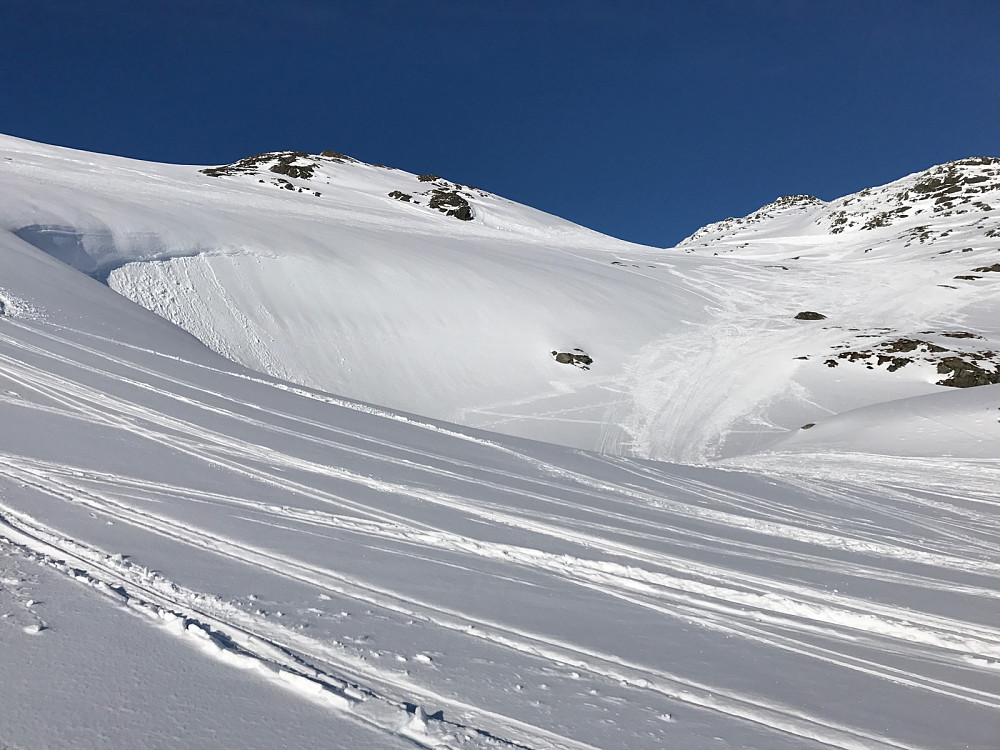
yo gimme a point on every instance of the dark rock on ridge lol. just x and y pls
(451, 203)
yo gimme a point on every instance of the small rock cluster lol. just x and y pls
(577, 358)
(446, 197)
(968, 373)
(964, 369)
(294, 165)
(451, 203)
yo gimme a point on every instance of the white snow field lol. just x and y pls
(197, 554)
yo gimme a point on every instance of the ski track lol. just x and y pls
(660, 541)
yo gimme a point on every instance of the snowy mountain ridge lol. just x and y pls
(946, 190)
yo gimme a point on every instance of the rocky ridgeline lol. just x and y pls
(295, 164)
(967, 186)
(958, 187)
(450, 199)
(291, 165)
(787, 205)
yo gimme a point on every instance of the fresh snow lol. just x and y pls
(194, 553)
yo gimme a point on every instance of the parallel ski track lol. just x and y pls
(583, 511)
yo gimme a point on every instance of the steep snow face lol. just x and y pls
(444, 300)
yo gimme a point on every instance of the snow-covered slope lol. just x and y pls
(886, 294)
(956, 423)
(196, 554)
(337, 284)
(444, 300)
(193, 555)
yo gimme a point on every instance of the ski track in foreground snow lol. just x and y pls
(403, 573)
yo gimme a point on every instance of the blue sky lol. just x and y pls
(641, 119)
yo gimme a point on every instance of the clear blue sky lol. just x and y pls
(644, 120)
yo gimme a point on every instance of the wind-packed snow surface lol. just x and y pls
(195, 554)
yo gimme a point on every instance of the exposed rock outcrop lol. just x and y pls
(577, 358)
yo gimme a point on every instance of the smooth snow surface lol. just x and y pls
(195, 554)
